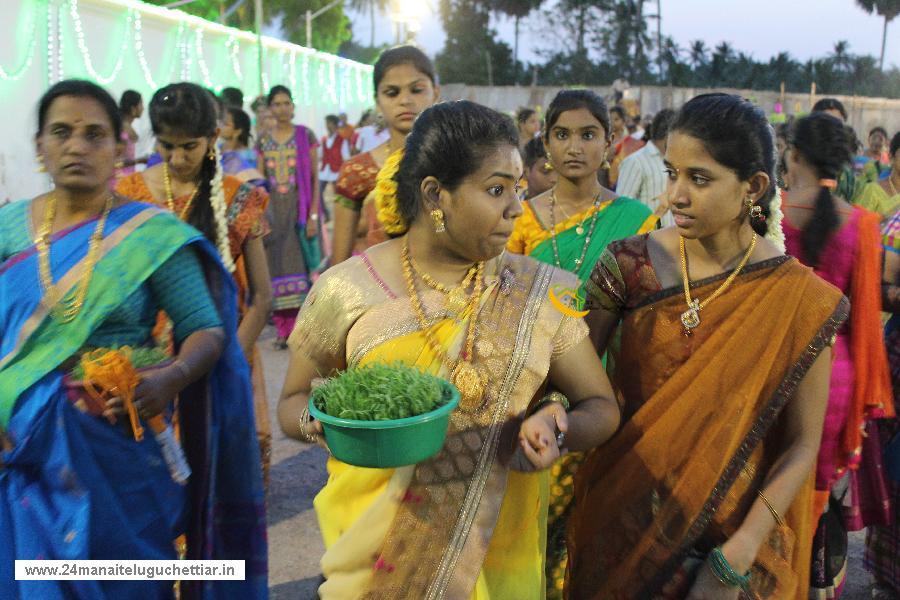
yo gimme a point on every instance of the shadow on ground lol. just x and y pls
(301, 589)
(294, 483)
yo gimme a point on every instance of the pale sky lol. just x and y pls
(805, 28)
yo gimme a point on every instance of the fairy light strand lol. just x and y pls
(86, 53)
(332, 76)
(16, 74)
(201, 61)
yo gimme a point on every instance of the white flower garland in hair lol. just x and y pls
(774, 231)
(217, 199)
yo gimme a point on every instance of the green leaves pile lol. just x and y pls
(141, 358)
(381, 392)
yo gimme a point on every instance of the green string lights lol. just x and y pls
(316, 78)
(86, 54)
(17, 73)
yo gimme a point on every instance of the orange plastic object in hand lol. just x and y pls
(110, 374)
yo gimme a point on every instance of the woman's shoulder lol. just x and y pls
(14, 227)
(874, 188)
(528, 224)
(16, 209)
(134, 186)
(814, 285)
(517, 266)
(352, 283)
(872, 196)
(634, 246)
(339, 297)
(360, 165)
(631, 203)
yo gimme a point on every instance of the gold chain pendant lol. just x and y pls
(470, 383)
(690, 318)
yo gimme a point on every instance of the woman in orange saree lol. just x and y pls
(230, 213)
(721, 363)
(405, 85)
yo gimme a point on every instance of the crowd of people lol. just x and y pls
(707, 414)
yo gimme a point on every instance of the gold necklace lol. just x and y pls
(465, 376)
(579, 229)
(67, 309)
(456, 297)
(690, 318)
(170, 197)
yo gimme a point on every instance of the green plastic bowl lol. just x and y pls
(387, 444)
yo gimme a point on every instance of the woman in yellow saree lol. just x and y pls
(721, 368)
(469, 522)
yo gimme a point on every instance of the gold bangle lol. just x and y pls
(305, 420)
(550, 398)
(778, 520)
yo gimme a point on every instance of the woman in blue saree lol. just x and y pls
(81, 268)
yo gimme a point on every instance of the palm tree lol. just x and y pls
(698, 53)
(370, 6)
(888, 9)
(841, 56)
(723, 59)
(517, 9)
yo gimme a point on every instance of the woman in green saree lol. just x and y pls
(569, 227)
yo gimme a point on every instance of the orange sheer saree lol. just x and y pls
(702, 427)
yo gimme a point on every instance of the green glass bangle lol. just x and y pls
(723, 571)
(551, 397)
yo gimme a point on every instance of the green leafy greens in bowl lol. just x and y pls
(381, 392)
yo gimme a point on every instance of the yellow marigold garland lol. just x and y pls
(387, 204)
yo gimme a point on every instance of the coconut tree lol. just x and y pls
(371, 7)
(888, 10)
(517, 9)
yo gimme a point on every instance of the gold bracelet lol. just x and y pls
(778, 520)
(550, 398)
(305, 420)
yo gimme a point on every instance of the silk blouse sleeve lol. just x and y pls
(179, 288)
(605, 289)
(332, 307)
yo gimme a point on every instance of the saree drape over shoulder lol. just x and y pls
(701, 430)
(460, 525)
(73, 486)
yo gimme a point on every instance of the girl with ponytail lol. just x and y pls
(229, 213)
(843, 245)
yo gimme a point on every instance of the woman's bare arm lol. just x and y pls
(260, 292)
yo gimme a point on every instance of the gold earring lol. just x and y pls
(437, 217)
(756, 212)
(606, 165)
(548, 166)
(211, 155)
(41, 168)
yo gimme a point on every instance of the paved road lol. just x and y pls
(298, 472)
